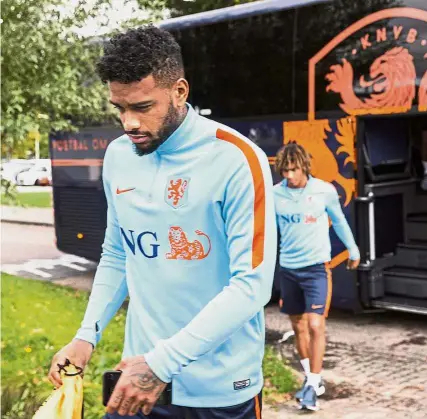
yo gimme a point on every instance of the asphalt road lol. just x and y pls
(30, 251)
(20, 243)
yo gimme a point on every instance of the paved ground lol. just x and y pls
(20, 243)
(375, 366)
(30, 251)
(33, 216)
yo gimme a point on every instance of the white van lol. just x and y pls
(38, 174)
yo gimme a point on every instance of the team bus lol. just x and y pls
(347, 80)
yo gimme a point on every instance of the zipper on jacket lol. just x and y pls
(158, 163)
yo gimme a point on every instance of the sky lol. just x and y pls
(119, 12)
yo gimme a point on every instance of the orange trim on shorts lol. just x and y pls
(259, 190)
(329, 295)
(338, 259)
(257, 407)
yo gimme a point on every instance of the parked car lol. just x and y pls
(12, 168)
(38, 174)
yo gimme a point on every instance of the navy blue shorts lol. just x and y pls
(247, 410)
(306, 290)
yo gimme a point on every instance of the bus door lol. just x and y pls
(391, 213)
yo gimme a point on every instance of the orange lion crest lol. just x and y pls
(391, 77)
(312, 135)
(183, 249)
(176, 195)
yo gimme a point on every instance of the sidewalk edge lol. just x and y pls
(25, 222)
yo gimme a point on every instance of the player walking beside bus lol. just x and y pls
(304, 205)
(190, 237)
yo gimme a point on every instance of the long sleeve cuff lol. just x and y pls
(354, 253)
(157, 359)
(169, 356)
(89, 334)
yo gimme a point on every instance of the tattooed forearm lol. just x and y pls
(145, 381)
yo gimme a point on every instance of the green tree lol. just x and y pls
(48, 81)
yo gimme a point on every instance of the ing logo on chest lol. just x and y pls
(182, 248)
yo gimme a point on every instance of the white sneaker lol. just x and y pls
(319, 391)
(424, 183)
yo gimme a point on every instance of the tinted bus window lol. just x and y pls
(260, 65)
(242, 67)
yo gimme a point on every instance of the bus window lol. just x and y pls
(387, 147)
(241, 67)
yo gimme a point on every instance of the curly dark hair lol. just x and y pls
(137, 53)
(292, 153)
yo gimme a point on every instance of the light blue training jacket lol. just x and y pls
(303, 219)
(191, 238)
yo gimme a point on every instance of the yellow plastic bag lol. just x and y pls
(66, 402)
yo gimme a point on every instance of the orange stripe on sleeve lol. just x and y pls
(329, 296)
(259, 189)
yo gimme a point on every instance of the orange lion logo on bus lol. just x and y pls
(312, 135)
(182, 248)
(391, 77)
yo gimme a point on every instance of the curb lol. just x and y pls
(24, 222)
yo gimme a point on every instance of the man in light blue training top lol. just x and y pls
(191, 238)
(304, 205)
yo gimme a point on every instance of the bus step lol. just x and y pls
(416, 226)
(405, 281)
(418, 217)
(407, 305)
(412, 254)
(420, 202)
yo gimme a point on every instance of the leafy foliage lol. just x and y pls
(38, 319)
(277, 374)
(48, 82)
(9, 193)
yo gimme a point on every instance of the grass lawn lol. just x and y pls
(38, 318)
(30, 199)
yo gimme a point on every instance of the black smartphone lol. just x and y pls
(110, 379)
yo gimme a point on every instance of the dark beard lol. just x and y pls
(172, 121)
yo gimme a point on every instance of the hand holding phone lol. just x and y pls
(110, 379)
